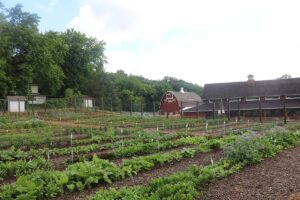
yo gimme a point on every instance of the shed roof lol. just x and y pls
(16, 98)
(254, 88)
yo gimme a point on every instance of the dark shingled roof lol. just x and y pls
(16, 98)
(256, 88)
(248, 105)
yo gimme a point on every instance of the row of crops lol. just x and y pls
(45, 162)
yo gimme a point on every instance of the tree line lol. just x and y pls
(68, 63)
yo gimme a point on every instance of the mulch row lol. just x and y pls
(274, 178)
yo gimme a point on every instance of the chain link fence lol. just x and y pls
(55, 108)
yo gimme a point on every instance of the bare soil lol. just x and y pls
(275, 178)
(71, 124)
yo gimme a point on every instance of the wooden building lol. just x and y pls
(173, 103)
(267, 98)
(16, 103)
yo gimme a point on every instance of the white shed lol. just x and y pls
(16, 103)
(87, 102)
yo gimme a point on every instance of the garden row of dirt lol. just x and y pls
(275, 178)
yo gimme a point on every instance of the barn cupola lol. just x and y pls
(250, 80)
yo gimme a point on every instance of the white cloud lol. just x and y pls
(199, 41)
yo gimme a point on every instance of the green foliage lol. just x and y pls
(33, 123)
(22, 167)
(56, 103)
(252, 149)
(240, 151)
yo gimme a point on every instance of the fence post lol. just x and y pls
(111, 105)
(19, 104)
(75, 105)
(239, 111)
(181, 111)
(214, 110)
(130, 106)
(197, 109)
(260, 111)
(284, 110)
(153, 109)
(141, 109)
(32, 108)
(228, 110)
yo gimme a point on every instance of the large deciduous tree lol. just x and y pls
(83, 60)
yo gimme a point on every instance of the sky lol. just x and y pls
(199, 41)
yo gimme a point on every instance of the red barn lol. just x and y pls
(172, 101)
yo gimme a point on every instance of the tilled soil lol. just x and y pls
(143, 178)
(274, 178)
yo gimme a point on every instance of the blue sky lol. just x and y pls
(55, 14)
(196, 40)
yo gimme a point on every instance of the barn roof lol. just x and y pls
(254, 88)
(16, 98)
(186, 96)
(248, 105)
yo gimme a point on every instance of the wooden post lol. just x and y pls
(284, 111)
(239, 111)
(181, 110)
(260, 111)
(214, 110)
(197, 109)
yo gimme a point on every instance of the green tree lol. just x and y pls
(18, 39)
(84, 57)
(49, 56)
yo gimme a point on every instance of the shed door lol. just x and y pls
(13, 106)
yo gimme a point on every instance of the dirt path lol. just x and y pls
(71, 124)
(275, 178)
(143, 178)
